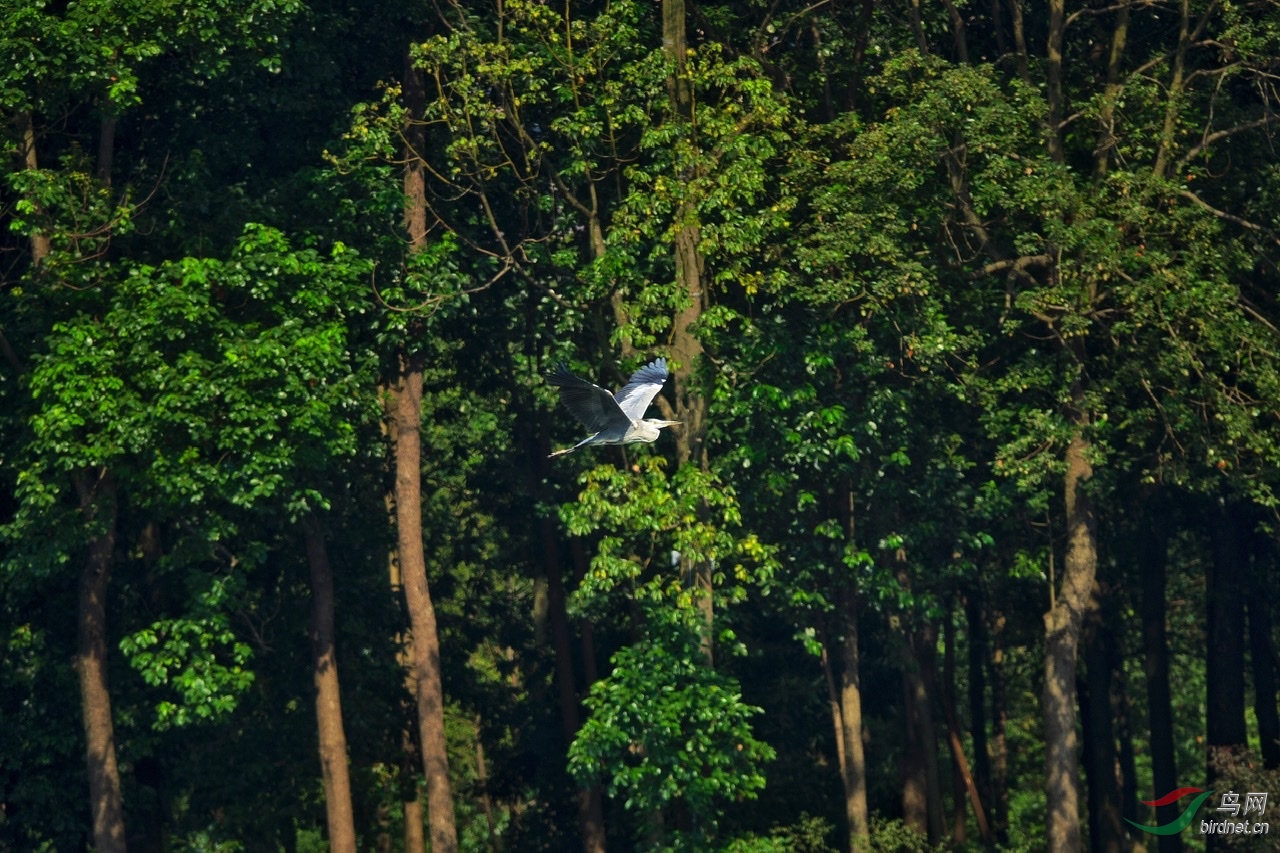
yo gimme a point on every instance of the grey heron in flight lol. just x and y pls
(613, 418)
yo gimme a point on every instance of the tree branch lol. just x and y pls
(1211, 138)
(1230, 217)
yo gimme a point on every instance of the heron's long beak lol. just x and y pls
(669, 423)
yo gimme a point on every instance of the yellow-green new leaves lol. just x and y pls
(649, 522)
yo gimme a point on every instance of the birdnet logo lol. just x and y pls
(1255, 803)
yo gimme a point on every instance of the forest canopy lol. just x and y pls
(967, 533)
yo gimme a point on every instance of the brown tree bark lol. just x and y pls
(407, 394)
(98, 508)
(923, 667)
(28, 159)
(1104, 149)
(415, 840)
(686, 348)
(847, 710)
(328, 698)
(1062, 636)
(422, 614)
(853, 768)
(915, 778)
(963, 783)
(1054, 92)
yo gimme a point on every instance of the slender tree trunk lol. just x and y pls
(98, 507)
(833, 702)
(1173, 94)
(328, 698)
(107, 144)
(999, 728)
(586, 629)
(1106, 826)
(1020, 52)
(482, 782)
(923, 648)
(915, 776)
(1262, 657)
(40, 246)
(422, 614)
(959, 766)
(853, 768)
(963, 782)
(975, 619)
(686, 348)
(408, 499)
(1124, 737)
(1054, 93)
(415, 840)
(1152, 555)
(410, 754)
(590, 800)
(1062, 637)
(1224, 667)
(1102, 151)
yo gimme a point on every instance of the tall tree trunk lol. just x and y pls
(959, 766)
(28, 159)
(963, 783)
(1224, 667)
(853, 767)
(1103, 149)
(1062, 637)
(999, 729)
(686, 348)
(1106, 825)
(422, 614)
(590, 800)
(914, 775)
(328, 698)
(1124, 736)
(408, 499)
(415, 840)
(1054, 92)
(410, 754)
(1152, 557)
(924, 651)
(98, 507)
(976, 621)
(1262, 657)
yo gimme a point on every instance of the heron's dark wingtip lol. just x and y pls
(559, 374)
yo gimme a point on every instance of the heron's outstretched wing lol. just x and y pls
(634, 397)
(591, 404)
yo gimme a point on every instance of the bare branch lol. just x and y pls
(1016, 266)
(1230, 217)
(1211, 138)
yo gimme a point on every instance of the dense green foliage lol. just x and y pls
(938, 245)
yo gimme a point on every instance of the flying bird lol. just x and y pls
(613, 418)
